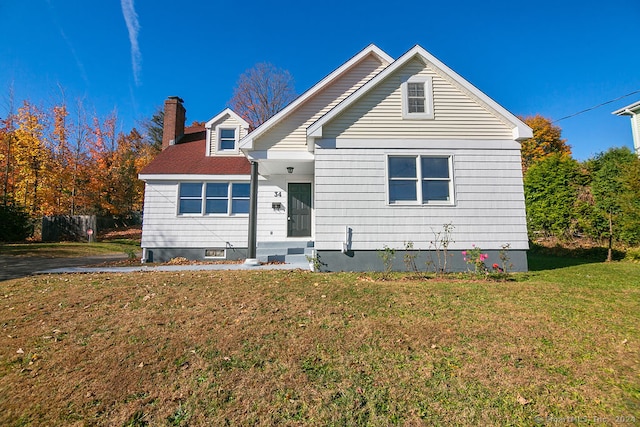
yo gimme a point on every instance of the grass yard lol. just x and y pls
(69, 249)
(555, 346)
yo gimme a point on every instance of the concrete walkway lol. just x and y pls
(14, 267)
(188, 267)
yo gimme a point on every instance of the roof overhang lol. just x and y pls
(629, 110)
(230, 112)
(190, 177)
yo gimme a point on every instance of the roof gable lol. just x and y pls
(520, 130)
(226, 119)
(223, 115)
(247, 142)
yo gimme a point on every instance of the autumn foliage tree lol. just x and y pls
(546, 141)
(31, 158)
(59, 162)
(261, 92)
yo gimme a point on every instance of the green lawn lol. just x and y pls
(69, 249)
(559, 344)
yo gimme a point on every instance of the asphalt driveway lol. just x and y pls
(13, 267)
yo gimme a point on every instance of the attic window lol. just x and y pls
(227, 139)
(417, 98)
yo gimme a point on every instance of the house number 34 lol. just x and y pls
(277, 193)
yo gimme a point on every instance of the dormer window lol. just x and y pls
(417, 98)
(227, 139)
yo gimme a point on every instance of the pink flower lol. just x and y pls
(496, 266)
(464, 253)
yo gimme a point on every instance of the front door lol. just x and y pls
(299, 218)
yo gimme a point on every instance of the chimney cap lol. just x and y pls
(177, 98)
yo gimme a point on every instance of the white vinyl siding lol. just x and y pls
(227, 122)
(290, 134)
(379, 114)
(272, 223)
(488, 212)
(635, 127)
(162, 228)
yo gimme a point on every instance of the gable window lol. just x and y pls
(227, 139)
(420, 180)
(417, 98)
(212, 198)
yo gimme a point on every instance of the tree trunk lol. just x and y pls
(610, 251)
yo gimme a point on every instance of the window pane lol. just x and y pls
(217, 189)
(227, 145)
(240, 206)
(416, 105)
(416, 89)
(435, 190)
(240, 190)
(402, 167)
(190, 206)
(402, 190)
(217, 206)
(191, 189)
(435, 167)
(228, 133)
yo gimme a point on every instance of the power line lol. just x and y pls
(597, 106)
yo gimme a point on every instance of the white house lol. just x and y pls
(633, 111)
(379, 153)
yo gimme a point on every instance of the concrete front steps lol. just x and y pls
(292, 252)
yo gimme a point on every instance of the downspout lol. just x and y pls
(253, 216)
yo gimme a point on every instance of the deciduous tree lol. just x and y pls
(261, 92)
(546, 140)
(31, 157)
(615, 194)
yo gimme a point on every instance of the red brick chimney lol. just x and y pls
(174, 117)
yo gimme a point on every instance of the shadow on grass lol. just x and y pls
(550, 258)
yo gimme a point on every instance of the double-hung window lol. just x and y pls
(420, 180)
(417, 98)
(217, 198)
(190, 198)
(240, 198)
(227, 139)
(214, 198)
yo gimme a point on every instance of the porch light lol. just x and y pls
(290, 169)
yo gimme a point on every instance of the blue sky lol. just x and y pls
(555, 58)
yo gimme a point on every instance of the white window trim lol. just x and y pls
(428, 98)
(224, 253)
(236, 130)
(203, 200)
(189, 214)
(419, 179)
